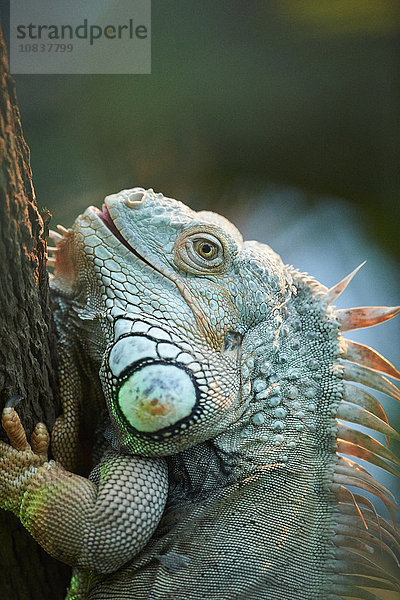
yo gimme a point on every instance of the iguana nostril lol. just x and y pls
(135, 199)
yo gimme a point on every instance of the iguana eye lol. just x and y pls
(206, 249)
(199, 253)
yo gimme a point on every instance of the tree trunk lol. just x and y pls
(27, 341)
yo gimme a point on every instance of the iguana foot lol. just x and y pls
(19, 460)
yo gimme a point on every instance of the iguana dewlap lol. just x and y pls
(219, 396)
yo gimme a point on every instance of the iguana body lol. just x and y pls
(209, 376)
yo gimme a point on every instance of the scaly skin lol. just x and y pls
(209, 377)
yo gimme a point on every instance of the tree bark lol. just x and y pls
(27, 340)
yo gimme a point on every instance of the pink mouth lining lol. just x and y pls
(105, 216)
(107, 220)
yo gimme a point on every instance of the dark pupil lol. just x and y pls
(206, 249)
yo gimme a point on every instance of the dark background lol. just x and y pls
(283, 115)
(299, 92)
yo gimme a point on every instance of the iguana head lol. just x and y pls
(174, 293)
(199, 333)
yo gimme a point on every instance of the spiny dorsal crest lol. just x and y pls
(363, 539)
(61, 256)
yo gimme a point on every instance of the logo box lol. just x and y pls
(106, 37)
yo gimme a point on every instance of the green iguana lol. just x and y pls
(210, 378)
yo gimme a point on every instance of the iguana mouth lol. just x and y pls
(105, 216)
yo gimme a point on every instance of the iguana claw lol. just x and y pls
(19, 460)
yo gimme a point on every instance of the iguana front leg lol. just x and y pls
(97, 523)
(65, 433)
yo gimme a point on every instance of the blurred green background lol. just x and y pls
(283, 115)
(299, 92)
